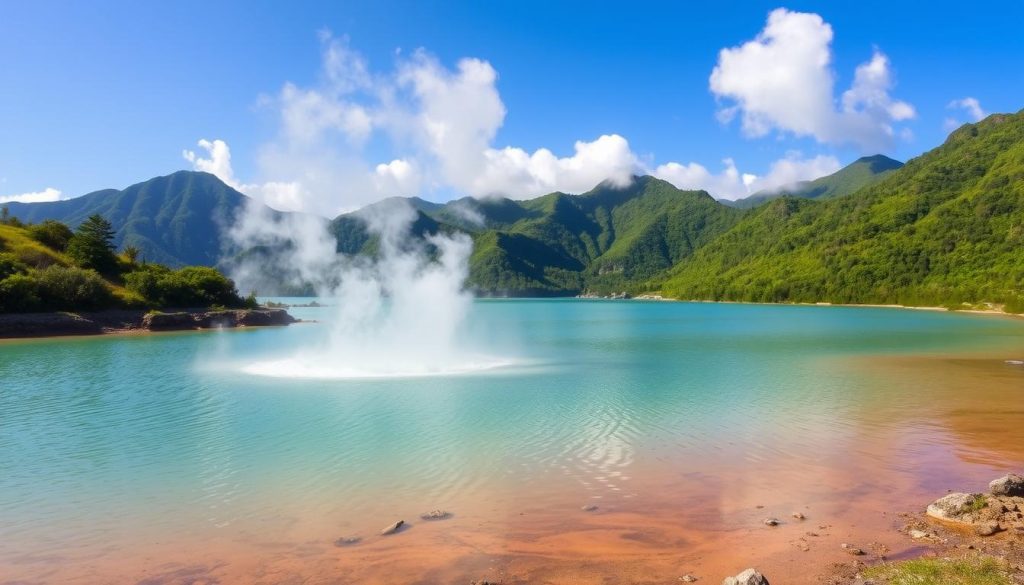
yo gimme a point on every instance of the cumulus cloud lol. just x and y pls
(441, 126)
(971, 106)
(46, 195)
(731, 184)
(783, 81)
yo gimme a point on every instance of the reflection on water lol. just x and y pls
(121, 454)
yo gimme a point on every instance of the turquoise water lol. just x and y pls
(105, 442)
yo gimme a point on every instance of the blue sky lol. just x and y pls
(104, 95)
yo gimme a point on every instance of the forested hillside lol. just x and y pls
(947, 227)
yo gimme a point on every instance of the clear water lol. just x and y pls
(110, 442)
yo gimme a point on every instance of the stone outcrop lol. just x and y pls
(1011, 485)
(985, 514)
(124, 321)
(748, 577)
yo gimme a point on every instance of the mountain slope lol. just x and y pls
(946, 227)
(860, 173)
(175, 220)
(601, 241)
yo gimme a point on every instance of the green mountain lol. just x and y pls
(945, 228)
(175, 220)
(561, 244)
(860, 173)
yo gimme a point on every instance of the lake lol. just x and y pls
(185, 458)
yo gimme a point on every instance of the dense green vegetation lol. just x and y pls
(861, 173)
(946, 228)
(47, 267)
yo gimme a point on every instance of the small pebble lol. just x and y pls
(589, 508)
(799, 516)
(771, 522)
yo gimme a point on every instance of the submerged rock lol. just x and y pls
(799, 516)
(771, 521)
(436, 515)
(393, 528)
(589, 508)
(347, 541)
(1011, 485)
(955, 507)
(748, 577)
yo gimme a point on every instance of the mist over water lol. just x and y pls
(399, 313)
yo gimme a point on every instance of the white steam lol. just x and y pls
(398, 313)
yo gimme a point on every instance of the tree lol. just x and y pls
(92, 245)
(131, 253)
(52, 234)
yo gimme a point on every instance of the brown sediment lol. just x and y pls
(121, 322)
(898, 449)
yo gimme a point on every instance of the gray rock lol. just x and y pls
(748, 577)
(987, 528)
(918, 534)
(771, 521)
(955, 507)
(1011, 485)
(392, 528)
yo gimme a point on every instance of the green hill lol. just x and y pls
(945, 228)
(860, 173)
(561, 244)
(175, 220)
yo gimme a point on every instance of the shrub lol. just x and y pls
(10, 264)
(52, 234)
(19, 293)
(71, 288)
(193, 286)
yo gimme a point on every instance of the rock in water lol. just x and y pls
(1011, 485)
(799, 516)
(589, 508)
(393, 528)
(436, 515)
(771, 521)
(954, 507)
(347, 541)
(748, 577)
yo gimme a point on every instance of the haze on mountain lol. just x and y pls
(944, 228)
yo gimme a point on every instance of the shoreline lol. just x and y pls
(135, 322)
(657, 297)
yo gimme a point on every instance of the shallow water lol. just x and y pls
(180, 457)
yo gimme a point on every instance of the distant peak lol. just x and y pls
(879, 163)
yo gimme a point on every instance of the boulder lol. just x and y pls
(1011, 485)
(748, 577)
(955, 507)
(392, 529)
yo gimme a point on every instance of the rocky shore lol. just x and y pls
(124, 321)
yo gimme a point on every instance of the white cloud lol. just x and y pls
(731, 184)
(441, 125)
(46, 195)
(783, 81)
(971, 106)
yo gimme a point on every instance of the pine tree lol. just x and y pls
(92, 246)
